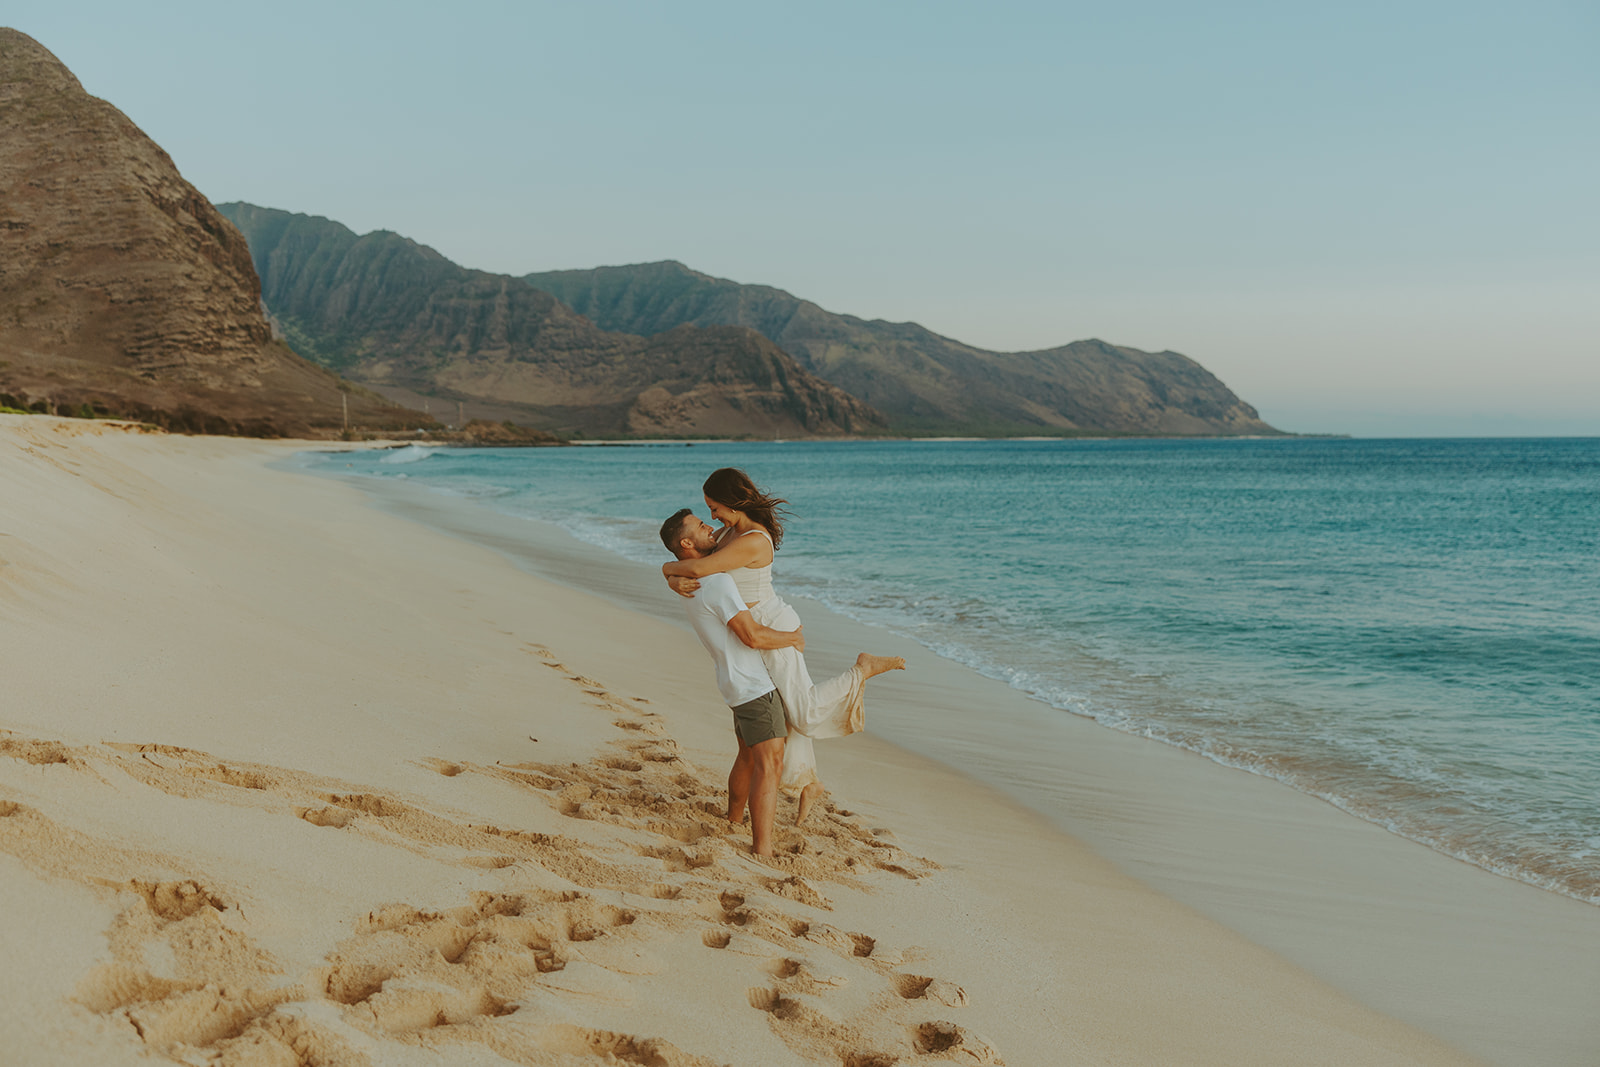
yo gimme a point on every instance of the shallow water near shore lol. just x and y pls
(1408, 629)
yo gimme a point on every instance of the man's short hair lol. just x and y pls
(672, 531)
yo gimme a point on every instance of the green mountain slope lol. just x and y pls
(925, 383)
(389, 312)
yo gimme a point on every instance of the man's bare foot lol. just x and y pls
(808, 797)
(872, 666)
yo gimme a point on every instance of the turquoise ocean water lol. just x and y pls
(1408, 629)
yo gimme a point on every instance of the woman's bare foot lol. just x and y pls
(872, 666)
(808, 797)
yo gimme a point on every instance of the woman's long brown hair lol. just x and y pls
(732, 488)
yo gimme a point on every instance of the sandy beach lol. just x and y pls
(291, 779)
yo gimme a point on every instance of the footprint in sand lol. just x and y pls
(231, 776)
(442, 766)
(677, 860)
(784, 968)
(662, 751)
(869, 1038)
(493, 970)
(39, 753)
(337, 818)
(796, 889)
(934, 1038)
(919, 987)
(650, 789)
(460, 976)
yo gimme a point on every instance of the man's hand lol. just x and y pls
(683, 586)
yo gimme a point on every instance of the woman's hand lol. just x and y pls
(681, 585)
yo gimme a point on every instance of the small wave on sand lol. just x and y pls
(409, 454)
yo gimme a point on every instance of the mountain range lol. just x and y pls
(662, 349)
(925, 383)
(398, 316)
(124, 291)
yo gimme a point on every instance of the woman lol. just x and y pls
(752, 531)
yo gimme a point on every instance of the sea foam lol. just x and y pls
(412, 453)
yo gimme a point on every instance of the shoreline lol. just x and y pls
(1401, 927)
(287, 776)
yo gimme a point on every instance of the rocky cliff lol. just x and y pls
(391, 313)
(122, 290)
(923, 382)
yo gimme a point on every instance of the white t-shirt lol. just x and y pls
(741, 675)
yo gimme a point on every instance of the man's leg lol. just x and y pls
(766, 769)
(739, 782)
(761, 730)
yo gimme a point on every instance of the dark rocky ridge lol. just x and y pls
(123, 291)
(391, 313)
(925, 383)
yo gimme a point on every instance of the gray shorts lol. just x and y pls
(760, 719)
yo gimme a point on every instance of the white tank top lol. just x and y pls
(754, 583)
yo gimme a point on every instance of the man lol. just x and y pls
(833, 708)
(734, 640)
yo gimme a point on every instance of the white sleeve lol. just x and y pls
(721, 597)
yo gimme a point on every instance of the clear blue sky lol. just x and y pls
(1367, 217)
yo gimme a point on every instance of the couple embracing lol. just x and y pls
(757, 646)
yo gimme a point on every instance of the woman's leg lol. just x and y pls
(739, 783)
(832, 708)
(808, 797)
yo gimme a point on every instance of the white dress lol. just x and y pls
(831, 709)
